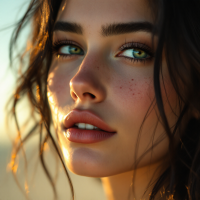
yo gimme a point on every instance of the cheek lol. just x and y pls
(58, 86)
(133, 98)
(134, 92)
(58, 93)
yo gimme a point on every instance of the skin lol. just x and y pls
(123, 92)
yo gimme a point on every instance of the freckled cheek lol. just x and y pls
(134, 90)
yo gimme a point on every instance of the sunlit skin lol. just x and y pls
(116, 89)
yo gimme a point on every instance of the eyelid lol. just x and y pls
(136, 45)
(129, 45)
(60, 43)
(64, 42)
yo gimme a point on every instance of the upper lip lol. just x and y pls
(84, 116)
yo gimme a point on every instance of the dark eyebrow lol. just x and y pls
(122, 28)
(107, 30)
(68, 27)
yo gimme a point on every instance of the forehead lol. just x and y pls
(93, 13)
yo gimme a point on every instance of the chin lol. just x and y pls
(86, 162)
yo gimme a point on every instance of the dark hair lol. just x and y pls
(178, 29)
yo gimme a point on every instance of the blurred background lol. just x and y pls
(31, 179)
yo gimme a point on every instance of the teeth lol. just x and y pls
(89, 126)
(81, 125)
(86, 126)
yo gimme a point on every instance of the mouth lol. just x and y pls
(86, 127)
(86, 136)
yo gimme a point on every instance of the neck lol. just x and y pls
(118, 187)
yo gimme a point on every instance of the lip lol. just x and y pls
(79, 116)
(83, 135)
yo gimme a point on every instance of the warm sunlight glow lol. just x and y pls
(12, 166)
(46, 146)
(38, 93)
(65, 153)
(17, 96)
(171, 197)
(26, 187)
(64, 5)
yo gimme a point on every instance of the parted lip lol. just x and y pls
(85, 116)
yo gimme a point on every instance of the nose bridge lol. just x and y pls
(87, 83)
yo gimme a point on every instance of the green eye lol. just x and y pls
(71, 49)
(138, 53)
(135, 53)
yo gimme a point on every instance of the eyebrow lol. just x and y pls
(122, 28)
(68, 27)
(107, 30)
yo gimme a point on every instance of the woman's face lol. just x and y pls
(109, 74)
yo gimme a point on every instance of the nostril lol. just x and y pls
(91, 95)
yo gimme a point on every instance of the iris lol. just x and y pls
(138, 53)
(71, 49)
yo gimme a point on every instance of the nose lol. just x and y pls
(87, 84)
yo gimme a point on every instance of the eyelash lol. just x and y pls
(60, 43)
(137, 45)
(128, 45)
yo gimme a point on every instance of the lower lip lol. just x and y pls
(86, 136)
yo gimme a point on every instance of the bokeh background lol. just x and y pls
(31, 178)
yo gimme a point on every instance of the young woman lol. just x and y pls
(119, 80)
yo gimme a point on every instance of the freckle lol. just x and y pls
(132, 79)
